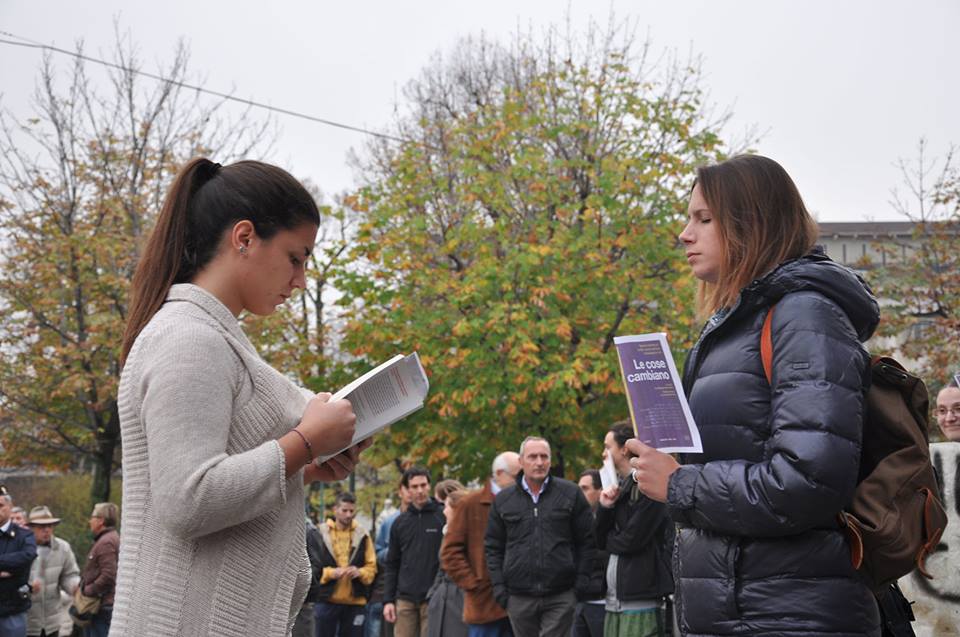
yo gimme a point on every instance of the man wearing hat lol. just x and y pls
(54, 570)
(17, 551)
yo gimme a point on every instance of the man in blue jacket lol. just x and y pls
(18, 549)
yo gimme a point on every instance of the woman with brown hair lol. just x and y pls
(759, 548)
(444, 599)
(216, 443)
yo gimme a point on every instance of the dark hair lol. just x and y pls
(761, 219)
(445, 487)
(344, 496)
(205, 200)
(622, 432)
(413, 472)
(594, 477)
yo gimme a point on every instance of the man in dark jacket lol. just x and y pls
(639, 534)
(344, 565)
(18, 549)
(589, 614)
(99, 576)
(413, 557)
(539, 546)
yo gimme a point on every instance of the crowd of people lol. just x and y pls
(39, 572)
(217, 448)
(526, 553)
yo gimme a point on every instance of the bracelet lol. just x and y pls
(306, 443)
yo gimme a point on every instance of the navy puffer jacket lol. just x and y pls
(759, 550)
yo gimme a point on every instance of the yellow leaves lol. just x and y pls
(529, 347)
(564, 330)
(540, 249)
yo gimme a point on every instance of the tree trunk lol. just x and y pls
(107, 441)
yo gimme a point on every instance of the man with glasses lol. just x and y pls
(948, 411)
(99, 575)
(18, 549)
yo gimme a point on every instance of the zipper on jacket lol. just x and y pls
(536, 517)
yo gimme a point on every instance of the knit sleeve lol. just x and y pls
(188, 383)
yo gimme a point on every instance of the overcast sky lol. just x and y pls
(841, 90)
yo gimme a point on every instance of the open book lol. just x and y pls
(391, 391)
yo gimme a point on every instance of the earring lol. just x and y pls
(243, 251)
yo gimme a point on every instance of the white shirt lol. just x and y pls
(526, 487)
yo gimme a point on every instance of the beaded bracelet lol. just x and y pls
(306, 444)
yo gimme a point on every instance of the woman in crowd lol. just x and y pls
(445, 600)
(759, 548)
(217, 444)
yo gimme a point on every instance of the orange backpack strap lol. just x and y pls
(766, 346)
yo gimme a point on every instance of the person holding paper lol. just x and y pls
(760, 550)
(217, 444)
(638, 534)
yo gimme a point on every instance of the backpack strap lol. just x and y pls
(766, 345)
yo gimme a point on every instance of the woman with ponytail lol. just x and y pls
(217, 445)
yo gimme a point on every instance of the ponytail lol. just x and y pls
(203, 201)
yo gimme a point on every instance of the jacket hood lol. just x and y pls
(815, 271)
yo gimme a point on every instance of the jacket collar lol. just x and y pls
(486, 494)
(212, 306)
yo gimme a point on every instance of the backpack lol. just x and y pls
(896, 518)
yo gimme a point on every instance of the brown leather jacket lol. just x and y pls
(461, 556)
(99, 575)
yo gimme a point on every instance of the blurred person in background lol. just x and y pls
(54, 570)
(445, 599)
(589, 614)
(462, 553)
(948, 411)
(99, 576)
(344, 564)
(18, 550)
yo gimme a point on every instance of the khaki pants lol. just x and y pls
(411, 619)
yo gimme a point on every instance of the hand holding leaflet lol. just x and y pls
(658, 407)
(391, 391)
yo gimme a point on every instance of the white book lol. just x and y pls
(391, 391)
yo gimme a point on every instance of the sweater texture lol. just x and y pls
(213, 533)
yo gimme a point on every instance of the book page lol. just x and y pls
(384, 395)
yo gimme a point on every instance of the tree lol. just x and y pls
(532, 217)
(922, 289)
(80, 184)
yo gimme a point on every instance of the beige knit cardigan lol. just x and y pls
(213, 539)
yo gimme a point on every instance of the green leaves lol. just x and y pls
(510, 258)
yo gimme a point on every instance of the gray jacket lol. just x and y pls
(56, 568)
